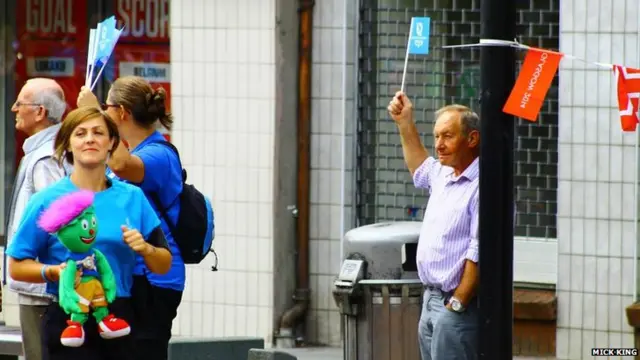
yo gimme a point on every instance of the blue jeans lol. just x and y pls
(444, 334)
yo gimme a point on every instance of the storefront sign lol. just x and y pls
(50, 67)
(50, 18)
(144, 20)
(152, 72)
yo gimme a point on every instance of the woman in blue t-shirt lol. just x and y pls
(129, 229)
(148, 163)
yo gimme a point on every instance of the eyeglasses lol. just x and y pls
(104, 106)
(20, 103)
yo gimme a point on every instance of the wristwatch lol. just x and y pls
(456, 305)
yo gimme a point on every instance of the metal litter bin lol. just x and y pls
(378, 292)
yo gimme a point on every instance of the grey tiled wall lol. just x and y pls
(596, 236)
(223, 99)
(331, 158)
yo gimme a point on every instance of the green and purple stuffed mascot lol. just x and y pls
(73, 220)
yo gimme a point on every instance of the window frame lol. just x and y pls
(535, 259)
(7, 137)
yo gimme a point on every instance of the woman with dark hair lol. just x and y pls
(137, 109)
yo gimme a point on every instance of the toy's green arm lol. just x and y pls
(108, 280)
(66, 289)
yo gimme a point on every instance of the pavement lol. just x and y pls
(10, 340)
(316, 353)
(329, 353)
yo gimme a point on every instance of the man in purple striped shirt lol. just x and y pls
(447, 255)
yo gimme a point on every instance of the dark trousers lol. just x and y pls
(54, 322)
(155, 310)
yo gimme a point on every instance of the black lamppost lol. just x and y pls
(497, 67)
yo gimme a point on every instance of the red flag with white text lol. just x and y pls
(628, 83)
(530, 89)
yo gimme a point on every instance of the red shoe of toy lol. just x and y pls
(111, 327)
(73, 335)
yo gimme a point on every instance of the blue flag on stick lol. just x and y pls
(102, 41)
(419, 37)
(108, 36)
(418, 43)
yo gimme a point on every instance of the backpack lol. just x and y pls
(195, 230)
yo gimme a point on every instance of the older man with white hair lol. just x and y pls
(39, 109)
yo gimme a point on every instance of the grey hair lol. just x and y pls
(53, 102)
(469, 120)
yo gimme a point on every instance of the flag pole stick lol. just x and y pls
(99, 73)
(635, 203)
(90, 55)
(406, 57)
(635, 212)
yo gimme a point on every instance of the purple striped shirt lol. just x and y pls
(449, 234)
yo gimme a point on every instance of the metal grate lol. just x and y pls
(384, 187)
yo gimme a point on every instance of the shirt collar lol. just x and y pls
(471, 173)
(36, 140)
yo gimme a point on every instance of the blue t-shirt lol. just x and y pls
(163, 176)
(93, 271)
(120, 204)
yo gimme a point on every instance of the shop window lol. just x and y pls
(49, 38)
(384, 190)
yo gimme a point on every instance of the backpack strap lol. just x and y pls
(170, 146)
(175, 150)
(163, 211)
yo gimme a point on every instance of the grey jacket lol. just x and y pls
(38, 169)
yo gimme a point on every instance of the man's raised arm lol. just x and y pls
(401, 111)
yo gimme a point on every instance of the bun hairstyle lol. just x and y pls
(156, 107)
(147, 106)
